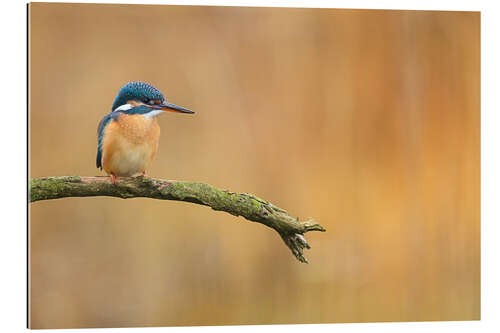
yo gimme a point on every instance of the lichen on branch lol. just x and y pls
(246, 205)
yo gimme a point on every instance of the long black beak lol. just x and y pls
(165, 106)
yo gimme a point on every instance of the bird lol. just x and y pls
(128, 136)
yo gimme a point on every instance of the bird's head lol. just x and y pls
(135, 94)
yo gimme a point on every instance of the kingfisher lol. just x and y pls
(128, 136)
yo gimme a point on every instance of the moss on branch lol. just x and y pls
(248, 206)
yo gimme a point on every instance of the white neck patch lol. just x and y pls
(124, 107)
(150, 114)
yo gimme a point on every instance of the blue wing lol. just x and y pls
(100, 133)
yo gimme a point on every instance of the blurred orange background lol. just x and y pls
(366, 120)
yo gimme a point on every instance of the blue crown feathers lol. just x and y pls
(138, 91)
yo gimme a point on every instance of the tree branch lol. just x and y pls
(250, 207)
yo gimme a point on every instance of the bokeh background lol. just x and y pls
(367, 121)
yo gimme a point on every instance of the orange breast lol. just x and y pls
(129, 145)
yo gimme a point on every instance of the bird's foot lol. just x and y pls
(113, 179)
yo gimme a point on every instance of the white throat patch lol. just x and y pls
(152, 113)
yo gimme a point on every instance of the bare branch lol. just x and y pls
(248, 206)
